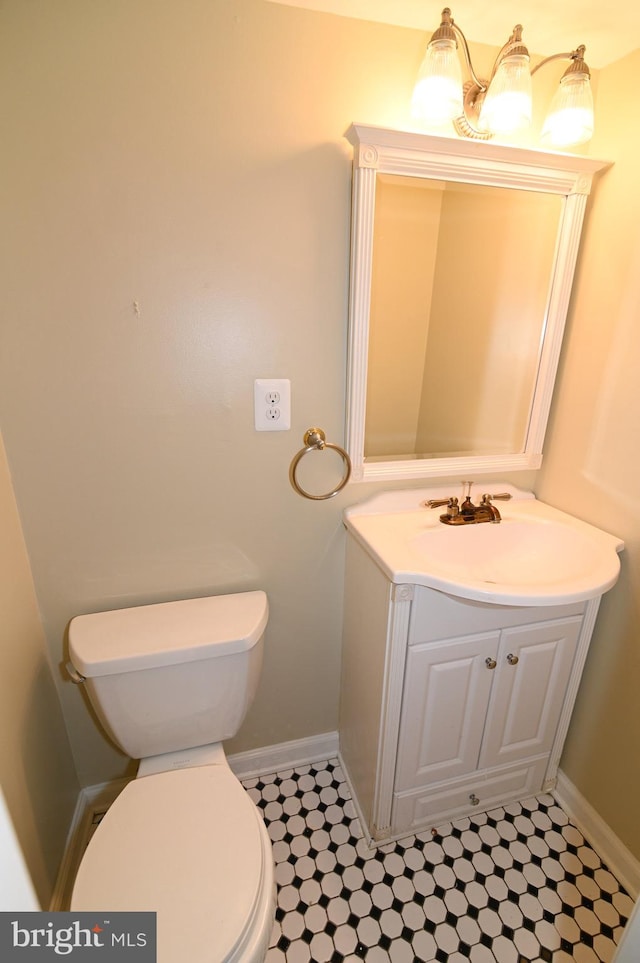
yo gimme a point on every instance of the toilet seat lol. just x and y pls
(190, 845)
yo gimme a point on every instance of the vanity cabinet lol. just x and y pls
(479, 713)
(451, 706)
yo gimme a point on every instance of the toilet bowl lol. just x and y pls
(183, 839)
(190, 845)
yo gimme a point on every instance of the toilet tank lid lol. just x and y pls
(149, 636)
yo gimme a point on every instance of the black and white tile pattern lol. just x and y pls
(516, 885)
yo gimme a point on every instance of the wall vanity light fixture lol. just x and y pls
(501, 105)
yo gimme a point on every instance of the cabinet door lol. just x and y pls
(534, 664)
(446, 691)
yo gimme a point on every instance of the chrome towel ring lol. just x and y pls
(315, 440)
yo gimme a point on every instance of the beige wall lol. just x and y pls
(592, 462)
(176, 204)
(175, 209)
(36, 768)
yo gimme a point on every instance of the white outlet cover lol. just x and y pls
(270, 416)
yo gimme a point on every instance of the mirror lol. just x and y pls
(462, 261)
(448, 371)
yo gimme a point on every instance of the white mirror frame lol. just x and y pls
(381, 150)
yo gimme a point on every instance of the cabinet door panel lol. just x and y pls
(446, 691)
(528, 694)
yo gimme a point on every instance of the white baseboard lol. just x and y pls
(364, 826)
(300, 752)
(623, 864)
(246, 765)
(90, 800)
(284, 755)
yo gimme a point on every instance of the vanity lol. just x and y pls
(463, 649)
(463, 644)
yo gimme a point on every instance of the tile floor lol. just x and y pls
(516, 885)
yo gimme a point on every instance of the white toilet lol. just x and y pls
(169, 683)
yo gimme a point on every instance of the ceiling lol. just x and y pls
(550, 26)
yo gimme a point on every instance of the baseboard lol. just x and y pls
(90, 800)
(623, 864)
(299, 752)
(246, 765)
(364, 826)
(284, 755)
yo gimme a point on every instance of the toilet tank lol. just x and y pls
(173, 675)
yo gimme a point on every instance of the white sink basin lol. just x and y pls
(536, 555)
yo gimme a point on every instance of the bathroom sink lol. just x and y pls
(537, 555)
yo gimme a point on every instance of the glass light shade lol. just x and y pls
(570, 118)
(437, 96)
(507, 105)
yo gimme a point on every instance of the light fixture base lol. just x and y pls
(464, 123)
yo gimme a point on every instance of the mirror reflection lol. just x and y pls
(460, 287)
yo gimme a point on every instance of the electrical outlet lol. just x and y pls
(272, 404)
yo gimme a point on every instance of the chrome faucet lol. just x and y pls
(467, 513)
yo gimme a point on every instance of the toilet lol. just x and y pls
(169, 683)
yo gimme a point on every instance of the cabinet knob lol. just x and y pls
(512, 659)
(490, 663)
(473, 799)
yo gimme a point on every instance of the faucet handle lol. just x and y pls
(451, 503)
(438, 502)
(503, 496)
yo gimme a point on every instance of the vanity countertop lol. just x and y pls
(537, 555)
